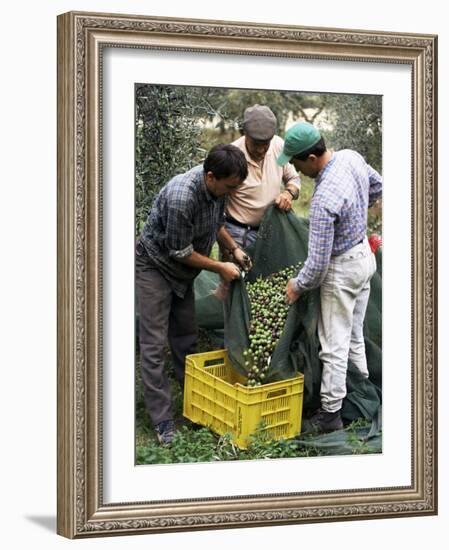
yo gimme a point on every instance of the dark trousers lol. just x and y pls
(163, 317)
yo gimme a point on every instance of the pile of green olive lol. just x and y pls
(269, 310)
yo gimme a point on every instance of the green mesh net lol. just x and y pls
(282, 242)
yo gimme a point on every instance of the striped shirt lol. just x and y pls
(184, 218)
(344, 189)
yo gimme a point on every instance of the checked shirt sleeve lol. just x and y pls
(179, 229)
(321, 237)
(375, 185)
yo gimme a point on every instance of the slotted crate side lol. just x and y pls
(209, 399)
(279, 415)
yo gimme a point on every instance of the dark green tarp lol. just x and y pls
(282, 242)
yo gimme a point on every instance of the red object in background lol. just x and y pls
(375, 241)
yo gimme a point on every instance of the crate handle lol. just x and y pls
(213, 362)
(276, 393)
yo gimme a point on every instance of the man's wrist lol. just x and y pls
(298, 288)
(294, 194)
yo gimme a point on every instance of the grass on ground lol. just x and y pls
(193, 443)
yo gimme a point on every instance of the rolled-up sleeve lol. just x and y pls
(290, 175)
(179, 232)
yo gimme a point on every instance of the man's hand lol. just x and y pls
(229, 271)
(291, 294)
(242, 259)
(284, 201)
(376, 207)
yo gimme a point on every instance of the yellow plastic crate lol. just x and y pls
(214, 396)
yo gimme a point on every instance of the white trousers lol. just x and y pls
(344, 299)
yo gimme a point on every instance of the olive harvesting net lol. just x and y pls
(274, 342)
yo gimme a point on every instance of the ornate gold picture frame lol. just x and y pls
(82, 509)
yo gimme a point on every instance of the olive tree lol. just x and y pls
(356, 122)
(166, 139)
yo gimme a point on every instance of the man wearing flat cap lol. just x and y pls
(247, 204)
(339, 259)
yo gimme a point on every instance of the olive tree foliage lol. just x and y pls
(346, 120)
(167, 139)
(177, 125)
(226, 107)
(356, 123)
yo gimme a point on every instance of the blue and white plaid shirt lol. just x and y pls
(185, 217)
(344, 189)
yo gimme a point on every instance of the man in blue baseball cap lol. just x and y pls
(339, 259)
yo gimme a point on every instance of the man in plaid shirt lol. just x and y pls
(339, 260)
(186, 218)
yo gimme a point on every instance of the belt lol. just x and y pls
(344, 251)
(241, 224)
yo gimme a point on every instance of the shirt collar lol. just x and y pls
(250, 159)
(207, 193)
(324, 170)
